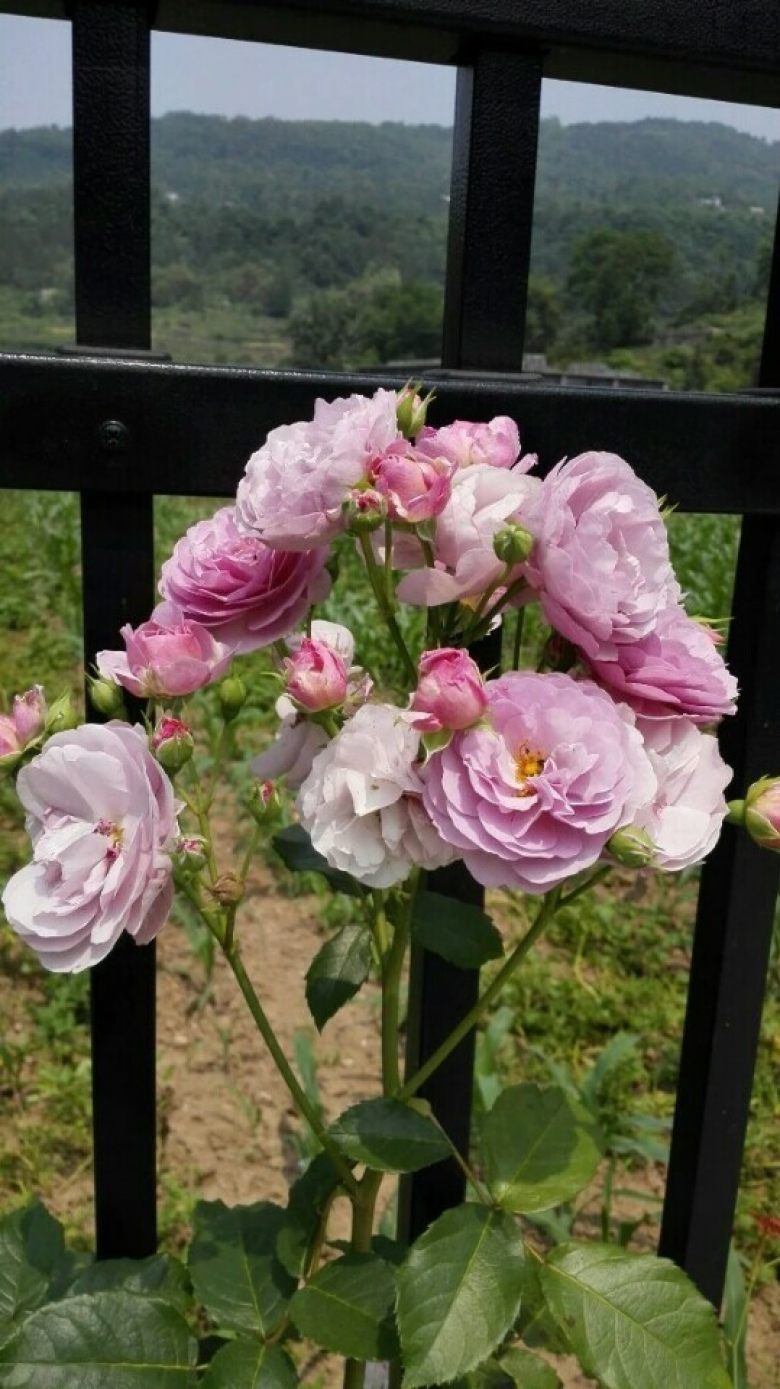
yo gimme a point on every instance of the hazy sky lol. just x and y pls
(233, 79)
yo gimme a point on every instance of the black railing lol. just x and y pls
(118, 426)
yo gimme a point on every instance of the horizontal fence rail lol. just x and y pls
(188, 430)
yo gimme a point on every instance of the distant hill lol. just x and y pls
(243, 161)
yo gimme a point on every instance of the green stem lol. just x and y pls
(518, 640)
(470, 630)
(389, 590)
(392, 969)
(384, 603)
(471, 1176)
(504, 601)
(363, 1208)
(246, 862)
(543, 916)
(302, 1101)
(219, 757)
(597, 877)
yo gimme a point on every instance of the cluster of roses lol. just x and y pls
(530, 777)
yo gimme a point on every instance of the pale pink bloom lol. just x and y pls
(450, 692)
(532, 796)
(465, 443)
(243, 592)
(361, 800)
(102, 818)
(685, 815)
(294, 748)
(601, 562)
(676, 669)
(168, 656)
(316, 676)
(29, 714)
(294, 486)
(762, 812)
(416, 488)
(483, 500)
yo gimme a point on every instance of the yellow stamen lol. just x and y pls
(527, 764)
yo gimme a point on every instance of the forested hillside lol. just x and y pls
(324, 242)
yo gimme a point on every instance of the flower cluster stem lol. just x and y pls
(385, 603)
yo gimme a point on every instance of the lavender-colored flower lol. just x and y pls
(483, 500)
(533, 799)
(242, 591)
(168, 656)
(601, 561)
(676, 669)
(22, 726)
(361, 802)
(466, 443)
(684, 817)
(293, 488)
(102, 817)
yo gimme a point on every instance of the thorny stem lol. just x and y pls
(544, 915)
(384, 602)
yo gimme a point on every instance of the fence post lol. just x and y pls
(491, 212)
(113, 309)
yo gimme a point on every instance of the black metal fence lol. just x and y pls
(117, 425)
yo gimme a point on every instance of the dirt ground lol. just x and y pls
(226, 1122)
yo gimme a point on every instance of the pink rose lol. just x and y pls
(361, 800)
(688, 808)
(316, 676)
(168, 656)
(246, 594)
(450, 692)
(294, 748)
(676, 669)
(416, 488)
(293, 488)
(101, 816)
(601, 560)
(495, 443)
(483, 500)
(762, 812)
(23, 725)
(534, 797)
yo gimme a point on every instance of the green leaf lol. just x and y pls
(539, 1148)
(527, 1371)
(337, 972)
(160, 1277)
(234, 1268)
(458, 1293)
(107, 1341)
(457, 931)
(306, 1203)
(347, 1307)
(389, 1135)
(536, 1324)
(31, 1247)
(248, 1365)
(294, 848)
(633, 1320)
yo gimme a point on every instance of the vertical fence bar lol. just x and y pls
(113, 309)
(734, 919)
(491, 212)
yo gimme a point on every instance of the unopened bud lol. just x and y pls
(513, 544)
(411, 411)
(232, 697)
(263, 799)
(29, 714)
(762, 812)
(364, 510)
(189, 856)
(106, 697)
(632, 847)
(172, 744)
(227, 890)
(61, 715)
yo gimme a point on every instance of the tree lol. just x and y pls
(616, 278)
(543, 315)
(372, 321)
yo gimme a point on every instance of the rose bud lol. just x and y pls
(761, 814)
(631, 847)
(29, 714)
(61, 716)
(172, 744)
(106, 697)
(513, 544)
(263, 798)
(415, 488)
(189, 855)
(450, 692)
(411, 411)
(10, 745)
(364, 510)
(232, 697)
(317, 676)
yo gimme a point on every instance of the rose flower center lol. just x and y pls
(114, 834)
(528, 763)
